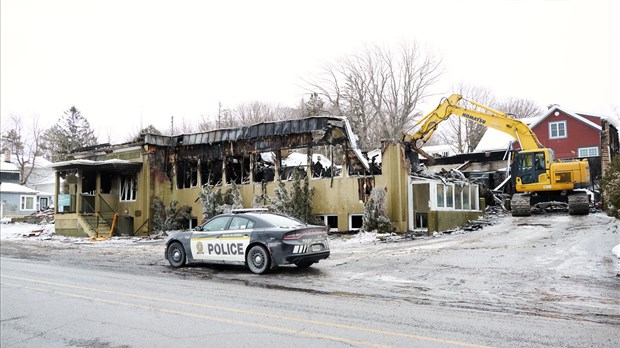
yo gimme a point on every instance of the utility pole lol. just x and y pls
(219, 115)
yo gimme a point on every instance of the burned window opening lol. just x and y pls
(106, 183)
(187, 174)
(331, 221)
(160, 163)
(211, 172)
(421, 220)
(128, 187)
(291, 162)
(264, 167)
(327, 162)
(238, 170)
(89, 182)
(374, 162)
(356, 221)
(365, 186)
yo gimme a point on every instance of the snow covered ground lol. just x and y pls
(47, 232)
(554, 264)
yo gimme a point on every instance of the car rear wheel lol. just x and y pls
(176, 255)
(258, 259)
(304, 264)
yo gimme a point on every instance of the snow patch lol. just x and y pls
(616, 251)
(359, 238)
(23, 230)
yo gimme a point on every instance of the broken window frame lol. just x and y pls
(261, 168)
(242, 168)
(288, 173)
(334, 170)
(361, 222)
(326, 221)
(215, 166)
(187, 174)
(128, 188)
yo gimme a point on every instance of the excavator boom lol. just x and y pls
(489, 117)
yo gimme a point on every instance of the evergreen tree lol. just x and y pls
(314, 106)
(72, 131)
(296, 203)
(301, 198)
(610, 184)
(169, 218)
(375, 217)
(211, 202)
(281, 202)
(215, 203)
(232, 200)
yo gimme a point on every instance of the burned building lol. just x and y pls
(111, 187)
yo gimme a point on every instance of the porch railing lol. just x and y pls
(106, 211)
(88, 212)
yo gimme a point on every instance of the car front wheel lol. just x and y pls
(258, 259)
(176, 255)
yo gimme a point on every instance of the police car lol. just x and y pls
(260, 239)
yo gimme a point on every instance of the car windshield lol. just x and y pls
(282, 221)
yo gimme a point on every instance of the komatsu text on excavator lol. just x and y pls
(537, 176)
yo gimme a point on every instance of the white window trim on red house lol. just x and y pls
(558, 129)
(588, 151)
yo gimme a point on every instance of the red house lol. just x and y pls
(569, 134)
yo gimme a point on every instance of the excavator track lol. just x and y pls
(579, 204)
(520, 205)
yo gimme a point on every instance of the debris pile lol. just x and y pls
(41, 217)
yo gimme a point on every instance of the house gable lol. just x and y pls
(567, 132)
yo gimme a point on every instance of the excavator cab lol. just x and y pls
(530, 166)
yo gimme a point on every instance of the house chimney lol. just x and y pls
(7, 155)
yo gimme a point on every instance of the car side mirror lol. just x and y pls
(198, 228)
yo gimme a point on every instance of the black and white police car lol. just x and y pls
(260, 239)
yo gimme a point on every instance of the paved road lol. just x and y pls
(59, 305)
(548, 280)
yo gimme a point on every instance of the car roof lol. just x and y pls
(261, 215)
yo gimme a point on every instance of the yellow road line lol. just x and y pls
(261, 314)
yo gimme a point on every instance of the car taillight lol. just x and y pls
(300, 234)
(293, 236)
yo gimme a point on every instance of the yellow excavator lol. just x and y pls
(538, 178)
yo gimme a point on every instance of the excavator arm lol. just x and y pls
(489, 117)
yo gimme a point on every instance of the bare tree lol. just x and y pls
(254, 112)
(136, 134)
(464, 135)
(378, 89)
(247, 114)
(520, 108)
(24, 144)
(258, 112)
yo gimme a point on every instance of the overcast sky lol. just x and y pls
(130, 63)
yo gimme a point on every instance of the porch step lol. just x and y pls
(103, 230)
(89, 225)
